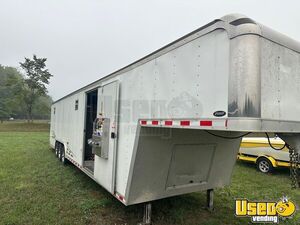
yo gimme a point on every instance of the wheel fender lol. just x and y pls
(65, 146)
(271, 159)
(66, 149)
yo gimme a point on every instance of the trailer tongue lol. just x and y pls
(171, 123)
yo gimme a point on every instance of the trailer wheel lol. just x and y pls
(63, 155)
(56, 149)
(264, 165)
(59, 151)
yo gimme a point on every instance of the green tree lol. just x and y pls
(36, 78)
(10, 92)
(3, 112)
(42, 108)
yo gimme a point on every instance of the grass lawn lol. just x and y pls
(35, 188)
(23, 126)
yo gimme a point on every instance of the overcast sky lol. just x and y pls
(87, 39)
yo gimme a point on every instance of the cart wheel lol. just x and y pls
(264, 165)
(56, 149)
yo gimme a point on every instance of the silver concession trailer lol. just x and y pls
(171, 123)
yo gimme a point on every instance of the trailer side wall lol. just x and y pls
(190, 81)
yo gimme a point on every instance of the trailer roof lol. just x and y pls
(226, 22)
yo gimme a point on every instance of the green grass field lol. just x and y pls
(35, 188)
(23, 126)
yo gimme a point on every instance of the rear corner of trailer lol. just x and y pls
(52, 125)
(196, 148)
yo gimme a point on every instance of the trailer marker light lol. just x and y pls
(206, 123)
(154, 122)
(120, 197)
(144, 122)
(168, 122)
(185, 123)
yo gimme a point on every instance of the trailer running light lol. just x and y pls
(168, 122)
(206, 123)
(120, 197)
(154, 122)
(185, 123)
(220, 123)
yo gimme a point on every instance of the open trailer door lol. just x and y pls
(105, 161)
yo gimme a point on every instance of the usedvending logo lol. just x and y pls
(265, 212)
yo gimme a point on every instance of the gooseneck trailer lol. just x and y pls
(171, 123)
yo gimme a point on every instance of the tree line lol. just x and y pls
(23, 94)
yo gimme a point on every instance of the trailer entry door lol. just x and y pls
(90, 115)
(108, 109)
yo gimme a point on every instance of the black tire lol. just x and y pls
(59, 151)
(63, 155)
(56, 149)
(264, 165)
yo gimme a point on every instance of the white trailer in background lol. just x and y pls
(171, 123)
